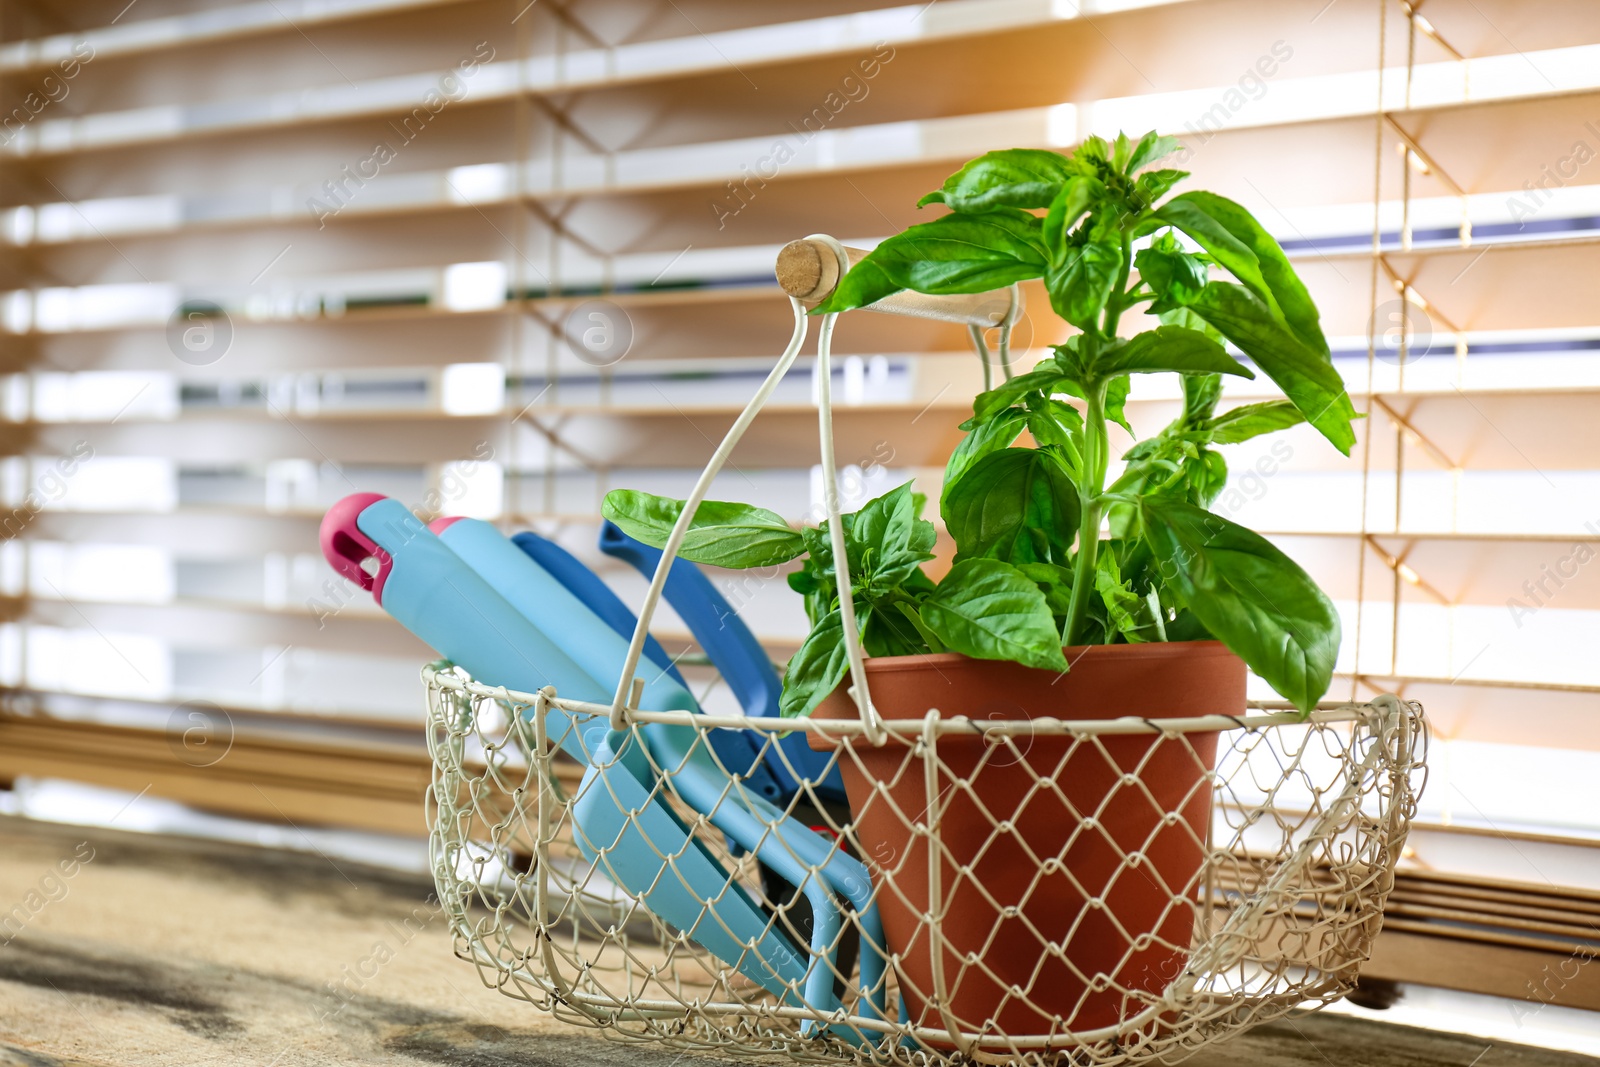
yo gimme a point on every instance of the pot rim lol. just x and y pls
(1147, 650)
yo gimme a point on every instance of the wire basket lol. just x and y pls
(1307, 821)
(1148, 884)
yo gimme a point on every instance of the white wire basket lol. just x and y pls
(1228, 868)
(1307, 820)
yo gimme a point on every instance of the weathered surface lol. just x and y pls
(160, 951)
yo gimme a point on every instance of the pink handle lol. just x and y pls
(346, 548)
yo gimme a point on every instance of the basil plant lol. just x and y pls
(1025, 494)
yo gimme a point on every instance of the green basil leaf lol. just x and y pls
(865, 284)
(1121, 151)
(1153, 185)
(1175, 276)
(1182, 316)
(721, 535)
(886, 541)
(819, 548)
(1253, 420)
(951, 254)
(1117, 400)
(995, 433)
(1243, 589)
(1005, 495)
(886, 545)
(1150, 148)
(1013, 177)
(1123, 606)
(1174, 463)
(1048, 431)
(1054, 581)
(1069, 364)
(1092, 157)
(819, 585)
(1241, 245)
(989, 610)
(1068, 418)
(1136, 563)
(1080, 285)
(1074, 200)
(1307, 377)
(1200, 395)
(1057, 426)
(884, 523)
(1046, 573)
(819, 665)
(1042, 378)
(1204, 477)
(1170, 348)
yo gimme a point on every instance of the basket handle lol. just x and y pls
(871, 724)
(809, 270)
(627, 682)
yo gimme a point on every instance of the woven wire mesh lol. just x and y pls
(1224, 872)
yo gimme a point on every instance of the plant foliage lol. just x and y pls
(1032, 572)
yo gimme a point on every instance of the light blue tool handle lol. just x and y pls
(739, 750)
(584, 584)
(595, 647)
(435, 595)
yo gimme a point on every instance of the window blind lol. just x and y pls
(495, 258)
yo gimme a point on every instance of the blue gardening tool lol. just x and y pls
(436, 595)
(584, 584)
(803, 858)
(424, 585)
(744, 665)
(739, 752)
(737, 655)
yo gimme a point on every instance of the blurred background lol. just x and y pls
(495, 258)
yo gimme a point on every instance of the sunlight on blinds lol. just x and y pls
(494, 260)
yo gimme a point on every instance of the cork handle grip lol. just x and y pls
(809, 271)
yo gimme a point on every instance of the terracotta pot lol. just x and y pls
(1035, 932)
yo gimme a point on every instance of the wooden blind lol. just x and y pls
(495, 258)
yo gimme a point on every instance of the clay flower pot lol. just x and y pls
(1043, 916)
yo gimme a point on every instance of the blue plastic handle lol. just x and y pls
(436, 596)
(596, 595)
(736, 749)
(739, 657)
(561, 615)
